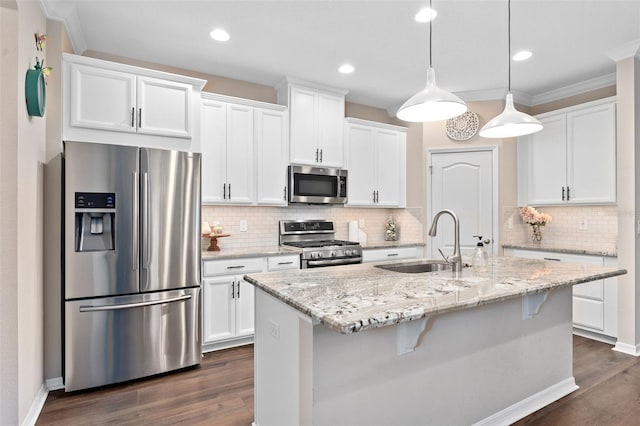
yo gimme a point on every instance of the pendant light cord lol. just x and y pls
(430, 34)
(509, 43)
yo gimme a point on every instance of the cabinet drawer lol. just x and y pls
(591, 290)
(379, 255)
(233, 266)
(281, 263)
(588, 313)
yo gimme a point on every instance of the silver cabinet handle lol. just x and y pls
(284, 194)
(377, 196)
(392, 254)
(233, 289)
(374, 196)
(238, 289)
(563, 193)
(89, 308)
(568, 193)
(317, 151)
(552, 258)
(321, 155)
(224, 191)
(135, 213)
(285, 263)
(235, 267)
(133, 116)
(139, 118)
(229, 190)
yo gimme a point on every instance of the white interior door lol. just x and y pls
(462, 182)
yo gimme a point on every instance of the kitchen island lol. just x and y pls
(362, 345)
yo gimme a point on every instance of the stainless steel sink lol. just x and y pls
(417, 267)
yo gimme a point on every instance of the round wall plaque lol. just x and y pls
(35, 91)
(462, 127)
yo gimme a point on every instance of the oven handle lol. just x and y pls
(332, 262)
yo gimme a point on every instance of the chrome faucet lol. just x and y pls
(456, 258)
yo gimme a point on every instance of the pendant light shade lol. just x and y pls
(432, 103)
(511, 123)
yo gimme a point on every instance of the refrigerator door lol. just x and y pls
(114, 339)
(100, 220)
(170, 219)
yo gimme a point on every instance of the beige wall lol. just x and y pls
(23, 147)
(8, 214)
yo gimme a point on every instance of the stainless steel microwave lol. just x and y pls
(317, 185)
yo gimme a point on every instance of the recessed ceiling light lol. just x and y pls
(426, 15)
(219, 35)
(522, 55)
(346, 69)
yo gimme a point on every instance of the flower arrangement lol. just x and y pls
(532, 216)
(536, 219)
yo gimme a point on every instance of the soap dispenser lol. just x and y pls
(480, 258)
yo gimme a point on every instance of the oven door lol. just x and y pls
(317, 185)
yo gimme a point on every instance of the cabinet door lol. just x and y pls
(102, 99)
(214, 151)
(239, 154)
(591, 154)
(164, 107)
(390, 166)
(361, 180)
(218, 307)
(330, 129)
(543, 163)
(272, 156)
(245, 301)
(303, 127)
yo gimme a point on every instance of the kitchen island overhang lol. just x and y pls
(360, 345)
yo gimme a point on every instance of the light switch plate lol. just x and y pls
(243, 226)
(582, 224)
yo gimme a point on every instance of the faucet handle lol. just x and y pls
(443, 256)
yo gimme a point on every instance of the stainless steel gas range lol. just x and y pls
(315, 240)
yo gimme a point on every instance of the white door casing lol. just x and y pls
(464, 181)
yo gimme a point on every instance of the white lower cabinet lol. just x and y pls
(397, 253)
(595, 304)
(228, 302)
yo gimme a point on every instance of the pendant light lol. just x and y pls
(432, 103)
(511, 123)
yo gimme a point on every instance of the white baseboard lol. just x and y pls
(594, 336)
(627, 349)
(54, 383)
(531, 404)
(36, 406)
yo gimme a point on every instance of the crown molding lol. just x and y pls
(521, 98)
(625, 51)
(67, 14)
(575, 89)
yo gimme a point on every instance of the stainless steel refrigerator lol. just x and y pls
(131, 263)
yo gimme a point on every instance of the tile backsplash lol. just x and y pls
(564, 230)
(262, 222)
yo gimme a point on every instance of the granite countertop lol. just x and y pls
(246, 252)
(279, 250)
(354, 298)
(562, 249)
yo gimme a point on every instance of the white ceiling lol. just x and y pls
(309, 39)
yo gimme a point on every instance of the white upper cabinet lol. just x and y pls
(272, 156)
(101, 97)
(573, 159)
(376, 160)
(244, 151)
(316, 117)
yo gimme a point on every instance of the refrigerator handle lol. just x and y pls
(145, 215)
(136, 230)
(89, 308)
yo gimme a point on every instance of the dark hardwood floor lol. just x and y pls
(220, 392)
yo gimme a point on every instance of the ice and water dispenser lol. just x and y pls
(95, 221)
